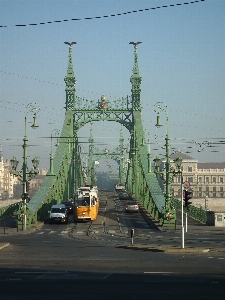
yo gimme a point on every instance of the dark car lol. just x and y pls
(124, 196)
(69, 206)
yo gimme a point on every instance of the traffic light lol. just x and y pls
(187, 197)
(24, 196)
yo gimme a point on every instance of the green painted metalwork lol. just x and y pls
(70, 81)
(194, 212)
(96, 155)
(60, 183)
(9, 210)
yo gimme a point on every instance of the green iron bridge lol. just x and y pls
(66, 172)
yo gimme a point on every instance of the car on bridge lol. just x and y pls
(58, 214)
(119, 187)
(131, 206)
(124, 196)
(69, 206)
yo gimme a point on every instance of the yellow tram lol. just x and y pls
(86, 203)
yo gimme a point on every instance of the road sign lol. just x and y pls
(186, 185)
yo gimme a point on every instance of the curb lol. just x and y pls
(165, 250)
(13, 231)
(186, 250)
(2, 246)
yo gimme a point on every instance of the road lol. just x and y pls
(97, 261)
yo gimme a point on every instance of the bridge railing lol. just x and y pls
(194, 212)
(9, 210)
(120, 104)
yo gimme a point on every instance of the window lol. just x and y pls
(207, 179)
(190, 179)
(221, 192)
(189, 169)
(200, 192)
(221, 179)
(214, 179)
(199, 179)
(214, 192)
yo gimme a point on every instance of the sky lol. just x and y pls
(181, 61)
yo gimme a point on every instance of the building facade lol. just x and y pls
(206, 179)
(7, 180)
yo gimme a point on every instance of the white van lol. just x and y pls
(58, 213)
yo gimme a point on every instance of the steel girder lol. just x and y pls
(85, 116)
(56, 186)
(141, 179)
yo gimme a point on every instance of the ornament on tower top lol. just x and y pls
(103, 102)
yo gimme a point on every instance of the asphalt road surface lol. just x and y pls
(97, 261)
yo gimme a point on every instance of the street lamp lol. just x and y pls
(169, 172)
(25, 174)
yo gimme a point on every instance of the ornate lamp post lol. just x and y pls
(169, 172)
(25, 174)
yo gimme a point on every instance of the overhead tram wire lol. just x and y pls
(111, 97)
(217, 141)
(102, 17)
(53, 83)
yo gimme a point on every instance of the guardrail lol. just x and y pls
(9, 210)
(194, 212)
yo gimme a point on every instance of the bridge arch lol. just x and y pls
(65, 172)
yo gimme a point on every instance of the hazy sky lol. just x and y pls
(181, 61)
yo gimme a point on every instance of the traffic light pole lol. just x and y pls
(186, 222)
(182, 212)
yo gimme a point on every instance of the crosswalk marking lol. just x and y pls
(52, 232)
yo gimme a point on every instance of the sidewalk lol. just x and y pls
(200, 228)
(8, 227)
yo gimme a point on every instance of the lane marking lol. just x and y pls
(107, 276)
(39, 272)
(159, 272)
